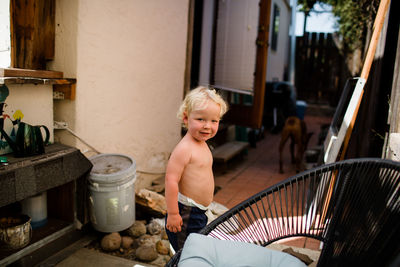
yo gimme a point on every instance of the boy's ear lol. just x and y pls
(185, 117)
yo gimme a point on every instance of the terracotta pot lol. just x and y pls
(15, 231)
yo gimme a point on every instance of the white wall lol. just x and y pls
(279, 58)
(35, 102)
(5, 43)
(129, 61)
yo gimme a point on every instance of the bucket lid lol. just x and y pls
(110, 168)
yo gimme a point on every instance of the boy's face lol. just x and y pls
(203, 124)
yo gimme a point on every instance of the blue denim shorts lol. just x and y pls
(193, 218)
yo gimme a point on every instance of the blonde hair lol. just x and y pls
(197, 99)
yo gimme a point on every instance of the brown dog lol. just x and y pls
(296, 129)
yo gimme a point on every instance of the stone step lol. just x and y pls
(228, 150)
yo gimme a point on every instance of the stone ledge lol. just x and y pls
(26, 177)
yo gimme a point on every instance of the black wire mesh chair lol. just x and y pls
(352, 207)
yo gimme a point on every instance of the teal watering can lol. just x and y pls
(28, 140)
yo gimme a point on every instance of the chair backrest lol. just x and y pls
(365, 227)
(352, 206)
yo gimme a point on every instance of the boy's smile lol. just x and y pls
(203, 123)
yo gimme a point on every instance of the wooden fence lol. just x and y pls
(320, 69)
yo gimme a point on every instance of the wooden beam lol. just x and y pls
(189, 48)
(379, 20)
(43, 74)
(261, 63)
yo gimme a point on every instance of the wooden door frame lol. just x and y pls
(189, 48)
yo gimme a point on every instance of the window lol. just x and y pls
(275, 29)
(235, 55)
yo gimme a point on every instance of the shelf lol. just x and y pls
(54, 229)
(44, 74)
(61, 172)
(63, 88)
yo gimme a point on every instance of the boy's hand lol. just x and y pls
(174, 222)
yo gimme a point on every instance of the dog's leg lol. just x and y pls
(284, 138)
(300, 152)
(299, 157)
(292, 143)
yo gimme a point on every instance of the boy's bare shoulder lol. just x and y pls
(182, 149)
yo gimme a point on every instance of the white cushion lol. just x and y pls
(200, 250)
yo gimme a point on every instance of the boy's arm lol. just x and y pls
(176, 165)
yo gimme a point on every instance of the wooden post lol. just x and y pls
(379, 20)
(380, 17)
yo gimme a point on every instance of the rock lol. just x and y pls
(130, 254)
(142, 240)
(111, 242)
(147, 243)
(160, 261)
(167, 258)
(137, 229)
(162, 247)
(160, 180)
(157, 188)
(154, 228)
(126, 242)
(158, 185)
(155, 238)
(146, 252)
(163, 234)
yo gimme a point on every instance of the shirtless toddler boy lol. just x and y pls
(189, 180)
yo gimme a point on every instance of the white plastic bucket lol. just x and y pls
(112, 192)
(36, 208)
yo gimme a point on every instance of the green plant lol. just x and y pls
(355, 18)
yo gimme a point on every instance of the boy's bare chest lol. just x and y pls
(201, 158)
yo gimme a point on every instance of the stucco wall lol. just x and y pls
(129, 61)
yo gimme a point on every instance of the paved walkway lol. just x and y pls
(90, 258)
